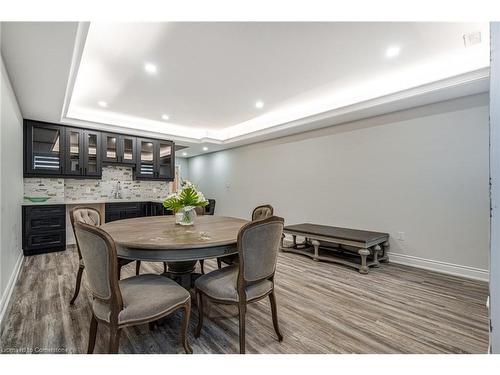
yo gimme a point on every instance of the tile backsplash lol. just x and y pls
(65, 190)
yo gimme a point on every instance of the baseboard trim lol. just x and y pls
(438, 266)
(5, 301)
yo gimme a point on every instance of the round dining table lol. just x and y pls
(160, 239)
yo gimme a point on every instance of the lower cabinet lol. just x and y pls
(126, 210)
(44, 226)
(44, 229)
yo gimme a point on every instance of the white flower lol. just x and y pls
(201, 197)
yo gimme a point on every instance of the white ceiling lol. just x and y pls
(209, 75)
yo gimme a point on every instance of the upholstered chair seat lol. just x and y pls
(144, 298)
(221, 285)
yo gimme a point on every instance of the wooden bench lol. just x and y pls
(360, 249)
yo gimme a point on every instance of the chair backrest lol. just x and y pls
(200, 211)
(210, 208)
(262, 212)
(87, 215)
(258, 243)
(101, 264)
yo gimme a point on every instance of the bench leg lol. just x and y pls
(376, 251)
(316, 249)
(385, 250)
(364, 254)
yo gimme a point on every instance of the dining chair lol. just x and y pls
(250, 279)
(259, 213)
(91, 216)
(132, 301)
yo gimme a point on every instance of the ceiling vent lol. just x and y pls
(471, 39)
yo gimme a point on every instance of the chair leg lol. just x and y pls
(137, 267)
(219, 263)
(164, 267)
(202, 264)
(242, 307)
(274, 311)
(184, 328)
(114, 340)
(78, 283)
(199, 302)
(92, 335)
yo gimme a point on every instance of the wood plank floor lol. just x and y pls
(322, 307)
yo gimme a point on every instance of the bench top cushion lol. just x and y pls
(356, 235)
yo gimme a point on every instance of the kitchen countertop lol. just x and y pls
(91, 201)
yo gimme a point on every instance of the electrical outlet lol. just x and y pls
(401, 236)
(87, 190)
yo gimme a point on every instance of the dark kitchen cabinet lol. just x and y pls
(125, 210)
(56, 150)
(82, 153)
(43, 149)
(155, 159)
(44, 228)
(119, 148)
(165, 161)
(92, 154)
(157, 209)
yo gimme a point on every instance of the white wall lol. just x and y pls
(423, 172)
(495, 188)
(11, 179)
(182, 163)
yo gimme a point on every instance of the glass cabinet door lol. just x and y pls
(110, 148)
(127, 149)
(146, 161)
(165, 160)
(73, 148)
(118, 148)
(43, 148)
(92, 154)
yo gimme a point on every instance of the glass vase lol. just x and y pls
(186, 216)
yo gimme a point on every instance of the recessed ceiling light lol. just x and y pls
(184, 154)
(150, 68)
(102, 104)
(165, 117)
(392, 51)
(205, 148)
(259, 104)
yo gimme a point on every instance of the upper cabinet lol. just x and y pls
(165, 163)
(82, 153)
(92, 153)
(119, 148)
(155, 159)
(43, 148)
(57, 150)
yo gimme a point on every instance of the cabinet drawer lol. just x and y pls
(44, 228)
(50, 240)
(46, 210)
(41, 224)
(42, 218)
(120, 211)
